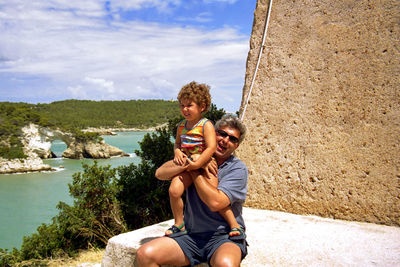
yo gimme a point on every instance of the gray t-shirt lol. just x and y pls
(232, 180)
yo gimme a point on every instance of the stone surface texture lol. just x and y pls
(324, 112)
(284, 239)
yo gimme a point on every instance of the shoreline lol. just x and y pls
(35, 164)
(28, 165)
(112, 130)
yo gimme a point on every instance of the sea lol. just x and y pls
(29, 199)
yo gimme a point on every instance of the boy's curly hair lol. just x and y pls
(199, 93)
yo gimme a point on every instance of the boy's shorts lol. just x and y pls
(199, 248)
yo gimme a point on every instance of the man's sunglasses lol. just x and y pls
(224, 134)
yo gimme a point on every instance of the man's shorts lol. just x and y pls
(199, 248)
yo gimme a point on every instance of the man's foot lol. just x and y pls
(237, 234)
(175, 231)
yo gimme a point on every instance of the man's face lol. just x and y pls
(227, 142)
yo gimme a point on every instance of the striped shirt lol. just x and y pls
(192, 140)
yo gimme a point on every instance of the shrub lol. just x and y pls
(145, 199)
(94, 217)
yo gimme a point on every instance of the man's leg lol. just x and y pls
(228, 254)
(163, 250)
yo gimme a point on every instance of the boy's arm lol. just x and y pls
(179, 156)
(211, 146)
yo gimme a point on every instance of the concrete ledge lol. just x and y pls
(284, 239)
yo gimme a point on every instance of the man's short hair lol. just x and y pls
(232, 121)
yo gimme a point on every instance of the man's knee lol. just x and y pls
(144, 255)
(227, 255)
(225, 262)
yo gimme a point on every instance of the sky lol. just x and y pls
(53, 50)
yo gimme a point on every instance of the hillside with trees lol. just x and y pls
(129, 114)
(14, 116)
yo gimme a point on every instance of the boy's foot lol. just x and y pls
(175, 231)
(237, 234)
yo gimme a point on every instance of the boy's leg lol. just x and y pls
(228, 215)
(176, 189)
(161, 251)
(168, 170)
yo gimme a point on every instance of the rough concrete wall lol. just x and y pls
(324, 113)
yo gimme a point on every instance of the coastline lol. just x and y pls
(30, 164)
(112, 130)
(35, 164)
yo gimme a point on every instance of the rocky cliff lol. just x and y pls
(324, 111)
(37, 143)
(94, 150)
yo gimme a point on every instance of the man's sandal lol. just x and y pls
(176, 231)
(237, 234)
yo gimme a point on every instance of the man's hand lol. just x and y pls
(211, 168)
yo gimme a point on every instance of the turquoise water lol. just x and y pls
(28, 200)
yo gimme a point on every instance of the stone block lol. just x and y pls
(284, 239)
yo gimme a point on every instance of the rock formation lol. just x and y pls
(324, 112)
(95, 150)
(37, 143)
(37, 140)
(30, 164)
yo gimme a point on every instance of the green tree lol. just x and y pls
(94, 217)
(156, 148)
(145, 199)
(214, 114)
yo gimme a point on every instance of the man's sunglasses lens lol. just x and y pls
(224, 134)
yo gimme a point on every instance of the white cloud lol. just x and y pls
(160, 5)
(104, 84)
(223, 1)
(98, 59)
(201, 17)
(77, 92)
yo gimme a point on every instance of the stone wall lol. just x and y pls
(324, 113)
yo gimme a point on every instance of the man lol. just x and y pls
(207, 239)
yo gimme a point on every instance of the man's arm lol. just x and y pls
(214, 198)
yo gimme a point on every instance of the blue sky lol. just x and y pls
(53, 50)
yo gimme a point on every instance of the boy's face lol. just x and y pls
(191, 110)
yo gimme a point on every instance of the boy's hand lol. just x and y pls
(191, 162)
(192, 165)
(195, 157)
(180, 158)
